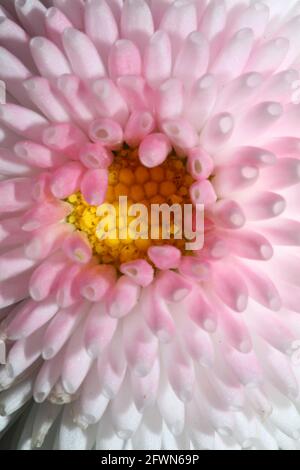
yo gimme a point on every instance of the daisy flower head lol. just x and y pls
(118, 330)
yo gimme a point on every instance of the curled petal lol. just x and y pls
(154, 150)
(100, 25)
(165, 257)
(106, 131)
(124, 59)
(82, 54)
(181, 133)
(158, 59)
(48, 58)
(77, 248)
(66, 179)
(96, 281)
(64, 138)
(95, 156)
(140, 271)
(123, 297)
(139, 125)
(94, 186)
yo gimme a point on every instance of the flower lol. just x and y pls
(133, 343)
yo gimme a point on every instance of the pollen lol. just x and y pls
(137, 193)
(126, 176)
(167, 188)
(121, 189)
(142, 175)
(165, 184)
(151, 189)
(157, 174)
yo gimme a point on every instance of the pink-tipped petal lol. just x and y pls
(45, 278)
(15, 194)
(158, 59)
(66, 179)
(60, 329)
(45, 213)
(201, 311)
(203, 192)
(140, 345)
(77, 248)
(94, 185)
(192, 60)
(139, 125)
(109, 101)
(106, 131)
(23, 121)
(140, 271)
(157, 315)
(55, 23)
(124, 59)
(181, 133)
(46, 240)
(232, 290)
(30, 317)
(137, 22)
(44, 97)
(82, 54)
(123, 297)
(50, 61)
(95, 156)
(228, 214)
(99, 330)
(65, 139)
(96, 281)
(100, 25)
(154, 149)
(172, 287)
(165, 257)
(170, 99)
(38, 155)
(200, 164)
(67, 293)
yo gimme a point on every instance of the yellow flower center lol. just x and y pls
(168, 184)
